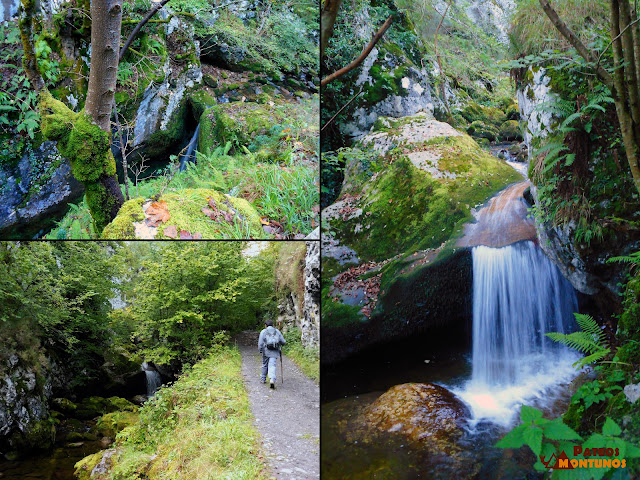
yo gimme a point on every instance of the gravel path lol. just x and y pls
(288, 418)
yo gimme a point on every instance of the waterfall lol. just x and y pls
(154, 381)
(190, 154)
(518, 296)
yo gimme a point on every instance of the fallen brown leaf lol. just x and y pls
(184, 235)
(171, 231)
(157, 213)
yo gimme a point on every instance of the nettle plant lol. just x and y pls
(548, 438)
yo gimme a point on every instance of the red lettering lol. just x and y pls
(609, 452)
(577, 450)
(587, 452)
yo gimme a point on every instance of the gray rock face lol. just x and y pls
(530, 97)
(8, 9)
(23, 200)
(161, 103)
(22, 403)
(311, 312)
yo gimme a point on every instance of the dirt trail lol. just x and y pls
(288, 418)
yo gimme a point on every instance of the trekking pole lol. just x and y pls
(281, 368)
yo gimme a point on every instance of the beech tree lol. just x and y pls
(624, 81)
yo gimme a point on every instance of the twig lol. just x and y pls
(138, 27)
(612, 41)
(365, 53)
(340, 111)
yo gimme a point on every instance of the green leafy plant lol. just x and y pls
(547, 438)
(590, 340)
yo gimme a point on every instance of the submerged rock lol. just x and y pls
(423, 413)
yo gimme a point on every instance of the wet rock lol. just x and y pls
(38, 188)
(425, 414)
(530, 96)
(96, 466)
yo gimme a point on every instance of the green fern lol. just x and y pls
(633, 258)
(590, 340)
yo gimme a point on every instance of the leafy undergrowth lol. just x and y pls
(307, 359)
(286, 192)
(199, 427)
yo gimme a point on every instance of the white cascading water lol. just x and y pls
(518, 296)
(154, 381)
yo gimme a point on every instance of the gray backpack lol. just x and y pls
(272, 339)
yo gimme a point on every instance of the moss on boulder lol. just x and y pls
(110, 424)
(185, 208)
(92, 407)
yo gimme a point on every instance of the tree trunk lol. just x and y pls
(621, 91)
(104, 197)
(327, 21)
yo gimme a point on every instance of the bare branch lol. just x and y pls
(365, 53)
(138, 27)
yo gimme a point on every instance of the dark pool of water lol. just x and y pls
(352, 385)
(55, 465)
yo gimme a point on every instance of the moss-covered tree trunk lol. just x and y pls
(85, 137)
(104, 195)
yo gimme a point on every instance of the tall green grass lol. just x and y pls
(198, 428)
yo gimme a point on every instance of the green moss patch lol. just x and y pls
(404, 209)
(185, 209)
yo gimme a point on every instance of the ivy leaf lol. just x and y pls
(611, 428)
(529, 414)
(533, 437)
(556, 430)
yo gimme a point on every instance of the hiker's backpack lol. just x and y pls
(272, 339)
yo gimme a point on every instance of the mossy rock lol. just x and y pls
(210, 80)
(513, 112)
(92, 407)
(65, 405)
(185, 209)
(38, 435)
(510, 131)
(201, 101)
(81, 436)
(123, 225)
(251, 125)
(84, 469)
(110, 424)
(481, 130)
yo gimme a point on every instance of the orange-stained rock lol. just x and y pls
(423, 413)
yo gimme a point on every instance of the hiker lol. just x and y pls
(269, 346)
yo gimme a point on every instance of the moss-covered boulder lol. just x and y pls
(391, 266)
(110, 424)
(259, 126)
(96, 466)
(92, 407)
(187, 213)
(510, 131)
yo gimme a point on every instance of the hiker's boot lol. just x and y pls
(263, 380)
(273, 385)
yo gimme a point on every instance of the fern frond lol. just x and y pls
(631, 258)
(594, 357)
(580, 341)
(589, 325)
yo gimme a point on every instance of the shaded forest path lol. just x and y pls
(288, 418)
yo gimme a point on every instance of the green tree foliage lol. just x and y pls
(55, 297)
(185, 293)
